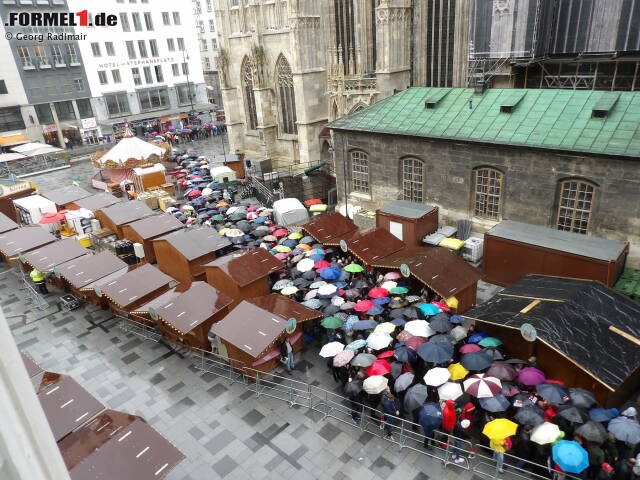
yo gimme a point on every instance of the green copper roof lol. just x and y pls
(554, 119)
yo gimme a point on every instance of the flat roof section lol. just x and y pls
(97, 201)
(63, 195)
(327, 226)
(406, 209)
(156, 225)
(134, 285)
(24, 239)
(193, 243)
(247, 266)
(7, 224)
(57, 253)
(127, 212)
(88, 269)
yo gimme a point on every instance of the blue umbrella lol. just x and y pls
(316, 257)
(364, 325)
(476, 337)
(436, 352)
(570, 456)
(313, 303)
(625, 430)
(495, 404)
(405, 355)
(330, 273)
(475, 360)
(356, 345)
(351, 320)
(340, 284)
(289, 243)
(375, 310)
(260, 220)
(381, 300)
(398, 322)
(430, 416)
(603, 414)
(429, 309)
(553, 392)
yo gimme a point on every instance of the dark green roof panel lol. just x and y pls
(544, 118)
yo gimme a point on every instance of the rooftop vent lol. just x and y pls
(435, 96)
(511, 101)
(479, 87)
(605, 104)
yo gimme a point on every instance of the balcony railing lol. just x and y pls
(74, 60)
(27, 64)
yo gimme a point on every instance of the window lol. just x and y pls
(488, 193)
(147, 75)
(412, 180)
(110, 50)
(186, 95)
(95, 49)
(102, 76)
(203, 45)
(3, 87)
(115, 74)
(207, 64)
(131, 50)
(360, 171)
(45, 116)
(148, 21)
(212, 25)
(40, 54)
(65, 111)
(249, 97)
(286, 97)
(117, 104)
(153, 98)
(214, 43)
(153, 45)
(124, 21)
(24, 56)
(84, 108)
(137, 25)
(57, 54)
(10, 119)
(176, 18)
(209, 6)
(159, 76)
(171, 45)
(180, 43)
(165, 18)
(136, 76)
(575, 205)
(142, 46)
(185, 68)
(175, 70)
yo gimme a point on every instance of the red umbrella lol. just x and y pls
(194, 193)
(378, 292)
(559, 382)
(387, 354)
(363, 305)
(415, 342)
(379, 367)
(52, 217)
(191, 150)
(321, 264)
(281, 232)
(442, 306)
(481, 386)
(470, 347)
(313, 201)
(403, 336)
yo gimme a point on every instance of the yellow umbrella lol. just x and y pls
(457, 371)
(386, 327)
(222, 204)
(223, 231)
(304, 246)
(282, 249)
(452, 302)
(295, 236)
(499, 429)
(290, 290)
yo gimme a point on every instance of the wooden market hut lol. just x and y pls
(142, 313)
(244, 274)
(46, 258)
(187, 318)
(7, 224)
(371, 245)
(66, 195)
(183, 254)
(134, 288)
(148, 229)
(328, 226)
(94, 202)
(115, 216)
(22, 240)
(587, 335)
(408, 221)
(252, 332)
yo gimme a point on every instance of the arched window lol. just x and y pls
(334, 110)
(575, 205)
(286, 97)
(357, 107)
(246, 75)
(488, 189)
(360, 171)
(412, 179)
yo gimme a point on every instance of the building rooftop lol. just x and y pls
(156, 225)
(24, 239)
(56, 253)
(589, 121)
(193, 243)
(63, 195)
(129, 288)
(327, 226)
(127, 212)
(97, 201)
(406, 209)
(247, 266)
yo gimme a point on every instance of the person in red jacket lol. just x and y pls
(449, 417)
(468, 412)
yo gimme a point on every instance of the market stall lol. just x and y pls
(13, 189)
(22, 240)
(408, 221)
(372, 245)
(7, 224)
(46, 258)
(328, 226)
(146, 230)
(31, 209)
(137, 287)
(94, 202)
(243, 275)
(64, 196)
(115, 216)
(184, 253)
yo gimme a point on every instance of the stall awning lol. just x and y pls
(328, 226)
(149, 116)
(13, 140)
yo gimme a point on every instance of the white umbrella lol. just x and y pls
(375, 384)
(459, 333)
(450, 391)
(437, 376)
(379, 340)
(206, 191)
(327, 289)
(318, 284)
(337, 301)
(481, 386)
(545, 433)
(305, 265)
(290, 290)
(331, 349)
(311, 294)
(232, 210)
(419, 328)
(389, 285)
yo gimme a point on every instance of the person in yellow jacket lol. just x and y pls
(37, 277)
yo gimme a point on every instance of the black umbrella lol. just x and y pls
(495, 404)
(553, 392)
(516, 361)
(310, 275)
(353, 388)
(495, 353)
(430, 416)
(396, 314)
(360, 284)
(331, 309)
(476, 360)
(440, 324)
(582, 398)
(415, 397)
(592, 432)
(396, 369)
(301, 282)
(443, 338)
(308, 240)
(411, 312)
(529, 415)
(363, 360)
(572, 413)
(436, 352)
(352, 293)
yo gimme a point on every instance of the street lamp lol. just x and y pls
(188, 83)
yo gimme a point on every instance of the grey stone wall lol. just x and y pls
(530, 189)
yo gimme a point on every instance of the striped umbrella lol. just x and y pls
(481, 386)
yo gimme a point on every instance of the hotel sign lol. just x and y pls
(134, 63)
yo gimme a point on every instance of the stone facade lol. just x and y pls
(530, 187)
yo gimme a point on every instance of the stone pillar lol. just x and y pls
(58, 126)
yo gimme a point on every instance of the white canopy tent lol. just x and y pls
(35, 148)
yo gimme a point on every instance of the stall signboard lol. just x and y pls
(88, 123)
(49, 128)
(291, 325)
(343, 246)
(528, 332)
(404, 270)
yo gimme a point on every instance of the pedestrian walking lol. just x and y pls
(390, 407)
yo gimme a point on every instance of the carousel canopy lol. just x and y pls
(131, 151)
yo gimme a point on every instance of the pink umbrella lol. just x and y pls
(531, 376)
(470, 347)
(321, 264)
(252, 209)
(363, 306)
(194, 193)
(378, 292)
(442, 306)
(52, 217)
(252, 216)
(393, 276)
(281, 232)
(343, 358)
(281, 256)
(403, 336)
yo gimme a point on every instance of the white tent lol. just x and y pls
(9, 157)
(35, 148)
(131, 147)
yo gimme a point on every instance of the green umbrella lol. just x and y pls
(354, 268)
(331, 322)
(490, 342)
(399, 290)
(217, 218)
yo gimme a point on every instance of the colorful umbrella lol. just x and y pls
(295, 236)
(481, 386)
(319, 265)
(379, 367)
(281, 248)
(331, 349)
(343, 358)
(469, 347)
(194, 193)
(503, 371)
(437, 376)
(429, 309)
(282, 256)
(490, 342)
(385, 328)
(331, 322)
(570, 456)
(329, 273)
(363, 305)
(354, 268)
(357, 344)
(378, 292)
(457, 371)
(399, 290)
(531, 376)
(280, 284)
(414, 343)
(393, 276)
(499, 429)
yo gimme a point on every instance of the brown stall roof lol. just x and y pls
(193, 306)
(159, 301)
(88, 269)
(24, 239)
(247, 266)
(327, 226)
(67, 405)
(285, 307)
(127, 212)
(335, 241)
(156, 225)
(47, 257)
(32, 367)
(7, 224)
(97, 201)
(64, 195)
(371, 246)
(136, 451)
(81, 443)
(436, 267)
(193, 243)
(134, 285)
